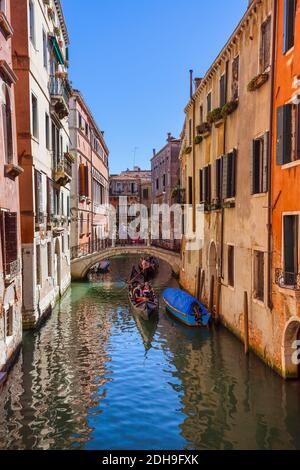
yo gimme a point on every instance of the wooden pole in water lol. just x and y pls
(246, 323)
(198, 283)
(202, 280)
(211, 294)
(218, 300)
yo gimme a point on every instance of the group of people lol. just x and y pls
(139, 290)
(146, 263)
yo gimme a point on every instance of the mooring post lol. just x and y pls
(202, 280)
(211, 294)
(218, 300)
(198, 283)
(246, 323)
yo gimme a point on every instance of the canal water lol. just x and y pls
(97, 377)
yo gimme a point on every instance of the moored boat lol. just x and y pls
(103, 266)
(145, 308)
(186, 308)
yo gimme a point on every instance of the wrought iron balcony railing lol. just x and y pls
(287, 280)
(63, 169)
(60, 96)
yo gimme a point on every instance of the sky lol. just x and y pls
(131, 61)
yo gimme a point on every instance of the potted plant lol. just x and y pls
(204, 128)
(257, 82)
(198, 139)
(229, 108)
(214, 116)
(188, 150)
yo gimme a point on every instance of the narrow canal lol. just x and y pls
(97, 377)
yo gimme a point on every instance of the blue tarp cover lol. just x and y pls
(180, 300)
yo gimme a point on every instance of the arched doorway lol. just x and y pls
(290, 356)
(212, 268)
(57, 264)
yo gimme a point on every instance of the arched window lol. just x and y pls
(7, 126)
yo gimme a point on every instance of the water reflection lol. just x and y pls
(99, 377)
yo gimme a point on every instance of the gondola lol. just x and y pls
(146, 309)
(150, 272)
(186, 308)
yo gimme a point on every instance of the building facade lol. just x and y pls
(40, 60)
(165, 172)
(10, 240)
(286, 188)
(127, 189)
(225, 170)
(90, 184)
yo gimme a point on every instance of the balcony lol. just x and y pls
(62, 173)
(287, 280)
(12, 270)
(60, 94)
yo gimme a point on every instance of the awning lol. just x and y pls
(57, 50)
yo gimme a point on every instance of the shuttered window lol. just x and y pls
(297, 133)
(81, 175)
(209, 103)
(50, 202)
(259, 277)
(284, 134)
(235, 78)
(265, 47)
(205, 185)
(222, 91)
(86, 181)
(260, 163)
(289, 24)
(190, 190)
(229, 175)
(291, 248)
(38, 190)
(219, 180)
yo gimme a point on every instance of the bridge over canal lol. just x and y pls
(83, 260)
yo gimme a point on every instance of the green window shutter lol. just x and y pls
(298, 133)
(225, 177)
(266, 162)
(201, 185)
(252, 166)
(209, 184)
(289, 24)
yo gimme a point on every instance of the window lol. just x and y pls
(7, 126)
(205, 185)
(222, 91)
(9, 242)
(265, 47)
(260, 151)
(164, 182)
(38, 191)
(230, 261)
(38, 265)
(219, 180)
(201, 114)
(209, 102)
(32, 22)
(235, 78)
(145, 193)
(81, 224)
(229, 175)
(157, 183)
(49, 257)
(86, 129)
(190, 190)
(288, 134)
(259, 275)
(34, 116)
(3, 6)
(291, 248)
(45, 50)
(47, 131)
(9, 321)
(289, 24)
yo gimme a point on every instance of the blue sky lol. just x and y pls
(131, 61)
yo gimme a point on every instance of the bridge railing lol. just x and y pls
(97, 246)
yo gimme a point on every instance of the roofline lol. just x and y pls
(162, 149)
(248, 12)
(77, 94)
(62, 21)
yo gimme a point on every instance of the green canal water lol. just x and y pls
(97, 377)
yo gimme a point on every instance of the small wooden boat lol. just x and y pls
(186, 308)
(145, 308)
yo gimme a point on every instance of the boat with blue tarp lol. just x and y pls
(186, 308)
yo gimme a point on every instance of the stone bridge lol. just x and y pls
(81, 265)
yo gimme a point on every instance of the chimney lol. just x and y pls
(154, 152)
(197, 81)
(169, 137)
(191, 83)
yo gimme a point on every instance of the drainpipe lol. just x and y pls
(270, 209)
(223, 210)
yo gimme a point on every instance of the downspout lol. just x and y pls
(270, 161)
(223, 210)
